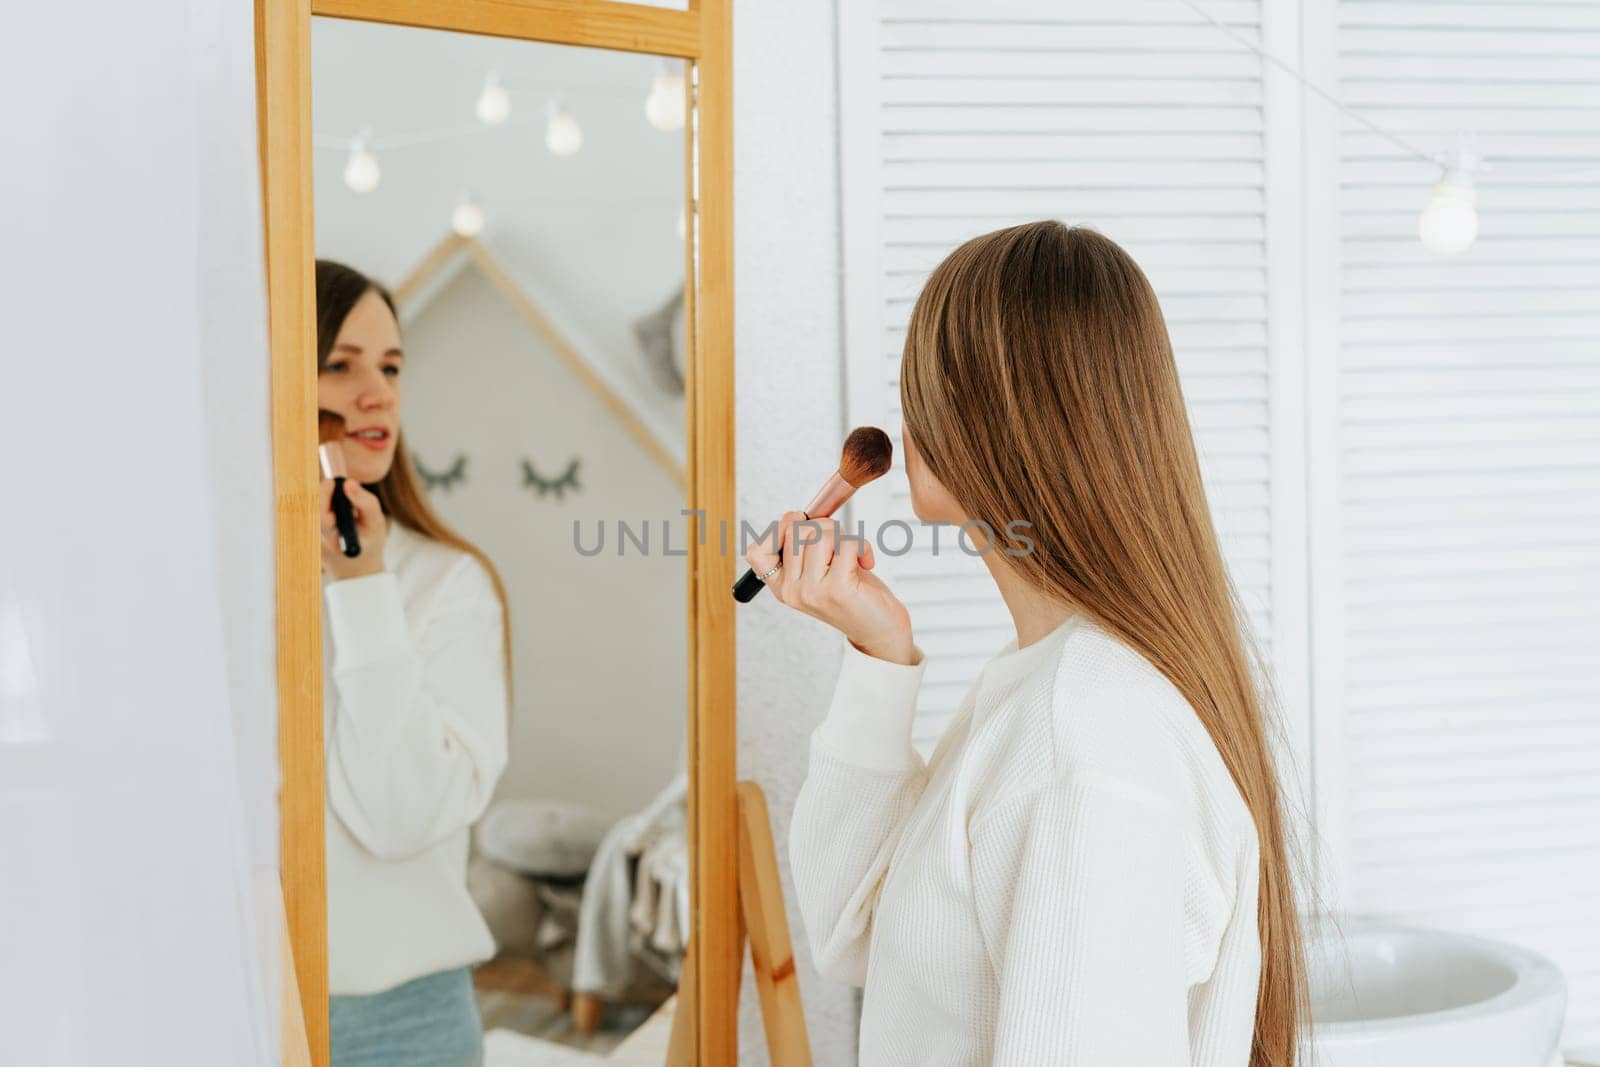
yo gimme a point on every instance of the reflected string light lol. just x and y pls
(664, 107)
(361, 171)
(563, 136)
(494, 103)
(467, 218)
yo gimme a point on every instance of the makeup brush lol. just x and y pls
(330, 431)
(867, 455)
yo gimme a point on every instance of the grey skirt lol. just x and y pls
(432, 1021)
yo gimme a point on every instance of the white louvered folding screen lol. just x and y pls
(1448, 480)
(1469, 441)
(1135, 118)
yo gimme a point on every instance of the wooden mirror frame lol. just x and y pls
(703, 35)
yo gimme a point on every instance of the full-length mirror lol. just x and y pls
(500, 303)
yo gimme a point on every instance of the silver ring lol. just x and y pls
(776, 567)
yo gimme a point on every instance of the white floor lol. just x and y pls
(645, 1047)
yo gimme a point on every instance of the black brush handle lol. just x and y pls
(344, 517)
(746, 588)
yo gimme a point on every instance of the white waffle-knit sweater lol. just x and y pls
(1070, 880)
(414, 694)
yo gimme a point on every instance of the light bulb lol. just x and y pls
(467, 219)
(361, 171)
(664, 106)
(494, 103)
(1449, 223)
(563, 136)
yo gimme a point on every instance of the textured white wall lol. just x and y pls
(790, 418)
(596, 722)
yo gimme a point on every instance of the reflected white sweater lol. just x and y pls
(1070, 880)
(414, 700)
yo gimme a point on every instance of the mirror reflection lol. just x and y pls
(501, 371)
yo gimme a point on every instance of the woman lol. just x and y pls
(414, 639)
(1092, 868)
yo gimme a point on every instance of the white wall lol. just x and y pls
(134, 590)
(600, 668)
(790, 418)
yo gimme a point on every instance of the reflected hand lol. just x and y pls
(371, 525)
(827, 574)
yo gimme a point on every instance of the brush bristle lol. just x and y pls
(867, 455)
(330, 427)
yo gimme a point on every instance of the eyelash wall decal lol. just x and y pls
(445, 479)
(559, 486)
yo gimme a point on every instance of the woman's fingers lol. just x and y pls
(818, 540)
(763, 554)
(793, 559)
(846, 560)
(366, 505)
(869, 560)
(816, 558)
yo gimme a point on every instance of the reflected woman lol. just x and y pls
(416, 690)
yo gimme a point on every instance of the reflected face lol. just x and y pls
(361, 381)
(930, 500)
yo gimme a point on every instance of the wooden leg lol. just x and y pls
(680, 1049)
(764, 922)
(292, 1029)
(586, 1011)
(767, 925)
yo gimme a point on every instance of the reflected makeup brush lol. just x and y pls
(867, 455)
(330, 454)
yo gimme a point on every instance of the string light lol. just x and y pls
(1448, 225)
(467, 218)
(361, 172)
(563, 136)
(664, 106)
(1449, 222)
(494, 103)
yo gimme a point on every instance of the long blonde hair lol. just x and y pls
(400, 491)
(1038, 383)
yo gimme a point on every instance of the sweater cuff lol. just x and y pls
(868, 724)
(366, 619)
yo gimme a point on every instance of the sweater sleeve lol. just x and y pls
(1079, 889)
(862, 782)
(419, 739)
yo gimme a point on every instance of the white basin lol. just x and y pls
(1389, 996)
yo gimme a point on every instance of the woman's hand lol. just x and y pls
(371, 526)
(827, 574)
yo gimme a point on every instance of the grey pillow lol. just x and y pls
(542, 838)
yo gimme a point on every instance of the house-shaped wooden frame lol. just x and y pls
(455, 253)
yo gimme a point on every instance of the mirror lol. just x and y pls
(506, 809)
